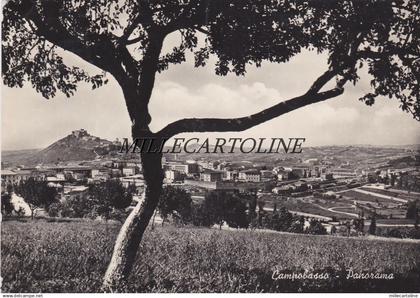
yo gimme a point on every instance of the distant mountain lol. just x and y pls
(359, 156)
(77, 146)
(13, 157)
(406, 161)
(81, 146)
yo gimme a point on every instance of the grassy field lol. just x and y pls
(311, 208)
(45, 256)
(396, 221)
(355, 195)
(393, 193)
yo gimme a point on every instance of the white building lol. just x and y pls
(137, 180)
(230, 175)
(129, 171)
(172, 176)
(250, 176)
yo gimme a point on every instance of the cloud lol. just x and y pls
(29, 121)
(338, 121)
(213, 100)
(172, 101)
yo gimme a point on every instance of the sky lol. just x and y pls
(30, 121)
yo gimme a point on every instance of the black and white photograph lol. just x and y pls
(210, 146)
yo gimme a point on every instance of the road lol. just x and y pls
(311, 215)
(303, 214)
(335, 211)
(332, 209)
(366, 237)
(399, 191)
(380, 195)
(367, 223)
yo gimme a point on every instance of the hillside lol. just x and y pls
(77, 146)
(37, 256)
(14, 157)
(80, 146)
(359, 156)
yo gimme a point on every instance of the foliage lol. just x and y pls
(71, 257)
(378, 35)
(412, 209)
(37, 194)
(200, 217)
(282, 220)
(104, 199)
(175, 201)
(20, 212)
(315, 228)
(372, 227)
(214, 206)
(297, 225)
(107, 199)
(226, 207)
(6, 203)
(399, 232)
(236, 216)
(394, 233)
(251, 199)
(359, 224)
(55, 209)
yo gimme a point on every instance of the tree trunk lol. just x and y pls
(106, 227)
(137, 95)
(153, 220)
(131, 233)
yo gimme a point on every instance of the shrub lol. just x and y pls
(395, 233)
(315, 228)
(54, 209)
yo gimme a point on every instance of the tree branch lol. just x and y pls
(197, 9)
(133, 41)
(144, 17)
(99, 54)
(243, 123)
(240, 124)
(400, 7)
(129, 30)
(367, 53)
(199, 29)
(321, 81)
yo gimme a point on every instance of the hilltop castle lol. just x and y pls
(80, 133)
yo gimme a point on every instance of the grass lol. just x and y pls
(396, 221)
(45, 256)
(393, 193)
(311, 208)
(355, 195)
(346, 209)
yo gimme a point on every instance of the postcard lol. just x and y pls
(210, 146)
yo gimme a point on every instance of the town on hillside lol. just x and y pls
(334, 185)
